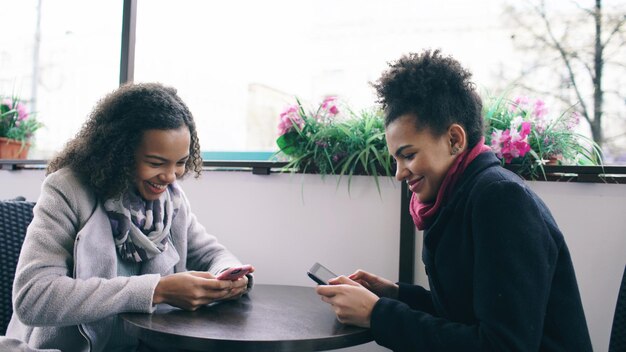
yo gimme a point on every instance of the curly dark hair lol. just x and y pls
(103, 152)
(433, 88)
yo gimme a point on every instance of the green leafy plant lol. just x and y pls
(16, 122)
(329, 142)
(521, 131)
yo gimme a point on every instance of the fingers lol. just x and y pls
(357, 274)
(202, 274)
(197, 286)
(224, 289)
(341, 284)
(207, 281)
(191, 290)
(239, 288)
(364, 278)
(362, 275)
(342, 280)
(240, 283)
(352, 304)
(326, 299)
(326, 290)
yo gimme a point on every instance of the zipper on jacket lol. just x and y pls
(81, 330)
(84, 333)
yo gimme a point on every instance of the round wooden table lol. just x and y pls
(269, 318)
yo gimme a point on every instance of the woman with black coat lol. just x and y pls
(500, 274)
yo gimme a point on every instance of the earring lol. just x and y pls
(455, 150)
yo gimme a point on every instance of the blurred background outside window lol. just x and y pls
(59, 57)
(239, 64)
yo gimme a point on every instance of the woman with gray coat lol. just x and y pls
(113, 231)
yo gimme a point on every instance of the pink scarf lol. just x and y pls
(423, 213)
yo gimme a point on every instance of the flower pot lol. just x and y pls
(13, 149)
(553, 160)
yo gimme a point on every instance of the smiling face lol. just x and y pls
(423, 159)
(159, 160)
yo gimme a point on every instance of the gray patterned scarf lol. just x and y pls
(141, 228)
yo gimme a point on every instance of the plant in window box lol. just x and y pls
(521, 131)
(17, 128)
(328, 141)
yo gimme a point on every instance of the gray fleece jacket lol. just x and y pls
(66, 291)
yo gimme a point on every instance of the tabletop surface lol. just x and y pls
(269, 318)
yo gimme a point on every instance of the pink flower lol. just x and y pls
(511, 144)
(19, 107)
(288, 118)
(518, 148)
(574, 120)
(525, 129)
(496, 142)
(516, 122)
(540, 109)
(519, 102)
(21, 111)
(329, 105)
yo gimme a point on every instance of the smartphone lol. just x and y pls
(320, 274)
(235, 273)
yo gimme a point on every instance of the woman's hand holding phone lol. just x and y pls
(193, 289)
(378, 285)
(352, 303)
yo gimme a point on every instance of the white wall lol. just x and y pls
(25, 183)
(283, 223)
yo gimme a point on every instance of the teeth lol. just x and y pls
(157, 186)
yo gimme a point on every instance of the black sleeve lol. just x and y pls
(514, 258)
(416, 297)
(396, 326)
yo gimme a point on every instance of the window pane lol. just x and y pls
(74, 62)
(237, 64)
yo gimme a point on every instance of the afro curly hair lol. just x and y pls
(436, 90)
(102, 153)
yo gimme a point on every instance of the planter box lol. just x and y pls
(13, 149)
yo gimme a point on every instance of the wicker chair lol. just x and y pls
(15, 215)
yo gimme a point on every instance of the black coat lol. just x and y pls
(500, 274)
